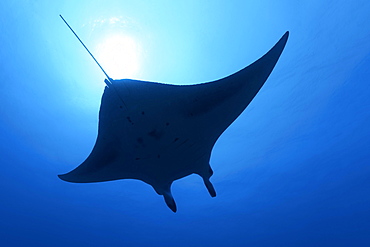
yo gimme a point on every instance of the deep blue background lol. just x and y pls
(293, 170)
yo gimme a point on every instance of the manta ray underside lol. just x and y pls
(159, 133)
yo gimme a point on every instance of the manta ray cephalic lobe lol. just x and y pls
(158, 133)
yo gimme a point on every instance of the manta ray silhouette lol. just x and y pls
(158, 133)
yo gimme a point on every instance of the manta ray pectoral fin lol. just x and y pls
(62, 177)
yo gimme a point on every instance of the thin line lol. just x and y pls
(109, 79)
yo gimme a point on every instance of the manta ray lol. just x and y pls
(158, 133)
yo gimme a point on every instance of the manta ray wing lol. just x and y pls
(159, 133)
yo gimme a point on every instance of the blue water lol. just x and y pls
(292, 170)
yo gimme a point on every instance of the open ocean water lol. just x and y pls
(292, 170)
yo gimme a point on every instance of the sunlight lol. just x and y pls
(119, 56)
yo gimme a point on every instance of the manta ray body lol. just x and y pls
(158, 133)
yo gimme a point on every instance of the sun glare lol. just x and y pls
(119, 56)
